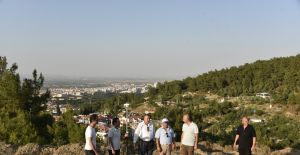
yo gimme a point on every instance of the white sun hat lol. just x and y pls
(165, 120)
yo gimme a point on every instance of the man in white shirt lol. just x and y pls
(114, 138)
(144, 135)
(189, 137)
(90, 136)
(165, 137)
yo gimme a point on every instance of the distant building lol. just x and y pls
(263, 95)
(255, 120)
(155, 84)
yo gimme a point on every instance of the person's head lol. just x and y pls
(245, 120)
(93, 120)
(187, 118)
(116, 122)
(146, 118)
(165, 123)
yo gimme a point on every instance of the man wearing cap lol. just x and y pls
(144, 136)
(165, 137)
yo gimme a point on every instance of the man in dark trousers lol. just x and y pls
(246, 138)
(144, 135)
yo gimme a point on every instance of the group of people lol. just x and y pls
(146, 139)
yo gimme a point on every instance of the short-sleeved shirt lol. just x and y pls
(189, 132)
(90, 133)
(165, 136)
(245, 136)
(115, 135)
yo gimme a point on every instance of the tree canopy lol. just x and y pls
(278, 76)
(23, 118)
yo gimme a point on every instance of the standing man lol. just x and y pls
(90, 136)
(246, 137)
(189, 137)
(144, 135)
(165, 138)
(114, 138)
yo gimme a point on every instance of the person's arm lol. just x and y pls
(158, 146)
(254, 143)
(237, 136)
(157, 136)
(174, 144)
(173, 140)
(153, 131)
(196, 141)
(90, 141)
(196, 133)
(235, 140)
(110, 143)
(181, 137)
(136, 133)
(254, 139)
(182, 134)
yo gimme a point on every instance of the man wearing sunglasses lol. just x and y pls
(144, 135)
(165, 137)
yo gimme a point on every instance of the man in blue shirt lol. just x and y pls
(165, 138)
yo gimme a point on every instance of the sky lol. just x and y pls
(145, 39)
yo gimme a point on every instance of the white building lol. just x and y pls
(263, 95)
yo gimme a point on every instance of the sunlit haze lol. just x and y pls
(145, 39)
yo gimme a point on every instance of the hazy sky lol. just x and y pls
(138, 38)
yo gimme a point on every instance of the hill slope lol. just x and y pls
(278, 76)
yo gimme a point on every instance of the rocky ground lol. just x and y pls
(35, 149)
(77, 149)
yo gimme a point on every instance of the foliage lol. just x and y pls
(23, 118)
(16, 128)
(22, 107)
(66, 130)
(278, 76)
(279, 132)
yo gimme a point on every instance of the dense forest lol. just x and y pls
(279, 76)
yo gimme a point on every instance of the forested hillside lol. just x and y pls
(219, 118)
(23, 116)
(278, 76)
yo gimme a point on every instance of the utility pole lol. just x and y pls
(126, 106)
